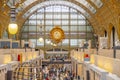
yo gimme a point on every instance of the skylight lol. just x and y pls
(87, 5)
(47, 3)
(98, 3)
(25, 4)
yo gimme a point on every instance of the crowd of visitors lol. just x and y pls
(56, 72)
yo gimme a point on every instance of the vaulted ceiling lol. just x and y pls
(100, 13)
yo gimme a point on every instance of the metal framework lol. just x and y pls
(74, 24)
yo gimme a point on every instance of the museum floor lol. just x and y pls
(79, 65)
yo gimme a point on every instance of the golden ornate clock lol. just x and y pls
(57, 34)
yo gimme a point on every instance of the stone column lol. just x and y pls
(109, 40)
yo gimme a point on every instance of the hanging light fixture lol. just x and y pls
(41, 38)
(48, 42)
(13, 27)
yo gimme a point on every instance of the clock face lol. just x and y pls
(57, 34)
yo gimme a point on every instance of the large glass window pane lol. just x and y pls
(73, 42)
(73, 28)
(49, 16)
(74, 22)
(57, 22)
(32, 28)
(73, 10)
(80, 16)
(81, 22)
(65, 28)
(49, 22)
(25, 28)
(65, 16)
(41, 10)
(82, 28)
(48, 28)
(65, 22)
(37, 16)
(89, 28)
(49, 9)
(65, 41)
(57, 16)
(65, 9)
(73, 16)
(32, 22)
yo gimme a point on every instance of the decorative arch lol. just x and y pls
(109, 30)
(28, 10)
(105, 33)
(71, 4)
(83, 9)
(111, 35)
(39, 12)
(48, 3)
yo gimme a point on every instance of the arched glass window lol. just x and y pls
(76, 27)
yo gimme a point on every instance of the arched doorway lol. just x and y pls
(105, 33)
(113, 36)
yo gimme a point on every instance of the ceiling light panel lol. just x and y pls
(10, 3)
(47, 3)
(24, 5)
(98, 3)
(87, 5)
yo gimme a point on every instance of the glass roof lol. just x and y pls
(87, 5)
(98, 3)
(47, 3)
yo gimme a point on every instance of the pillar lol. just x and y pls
(109, 40)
